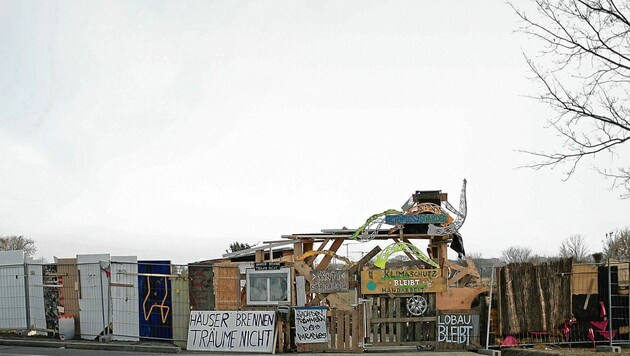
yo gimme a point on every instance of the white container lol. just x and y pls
(66, 327)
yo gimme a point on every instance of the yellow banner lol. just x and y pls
(402, 281)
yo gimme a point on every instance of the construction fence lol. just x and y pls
(119, 298)
(559, 303)
(91, 298)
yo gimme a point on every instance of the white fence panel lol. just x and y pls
(13, 292)
(124, 292)
(94, 295)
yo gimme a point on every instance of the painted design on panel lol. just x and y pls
(383, 256)
(162, 306)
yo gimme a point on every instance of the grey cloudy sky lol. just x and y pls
(169, 129)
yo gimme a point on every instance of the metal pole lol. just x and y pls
(489, 308)
(610, 319)
(27, 299)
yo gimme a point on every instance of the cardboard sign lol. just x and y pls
(310, 325)
(329, 281)
(231, 331)
(402, 281)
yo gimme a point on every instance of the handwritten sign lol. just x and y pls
(231, 331)
(329, 281)
(310, 325)
(402, 281)
(458, 328)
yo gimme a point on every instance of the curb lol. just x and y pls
(528, 352)
(92, 345)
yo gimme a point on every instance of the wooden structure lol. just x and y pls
(418, 302)
(386, 320)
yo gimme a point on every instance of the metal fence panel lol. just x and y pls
(12, 292)
(94, 295)
(37, 314)
(124, 298)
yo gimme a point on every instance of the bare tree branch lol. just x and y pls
(584, 72)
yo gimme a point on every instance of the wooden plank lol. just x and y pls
(328, 258)
(416, 219)
(226, 287)
(346, 336)
(298, 249)
(333, 329)
(365, 259)
(384, 302)
(260, 255)
(355, 334)
(458, 298)
(309, 260)
(399, 324)
(408, 319)
(392, 306)
(281, 336)
(340, 330)
(424, 196)
(373, 315)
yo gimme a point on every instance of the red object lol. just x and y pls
(565, 331)
(591, 334)
(602, 309)
(607, 334)
(509, 341)
(599, 325)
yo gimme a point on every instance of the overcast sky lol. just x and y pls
(168, 129)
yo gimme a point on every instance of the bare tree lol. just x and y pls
(11, 243)
(584, 72)
(617, 244)
(516, 254)
(574, 246)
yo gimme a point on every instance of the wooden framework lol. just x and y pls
(386, 322)
(372, 319)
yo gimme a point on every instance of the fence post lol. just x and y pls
(610, 318)
(100, 273)
(27, 297)
(489, 309)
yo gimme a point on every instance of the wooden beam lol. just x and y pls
(298, 249)
(326, 260)
(424, 196)
(365, 259)
(260, 256)
(457, 298)
(310, 260)
(470, 271)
